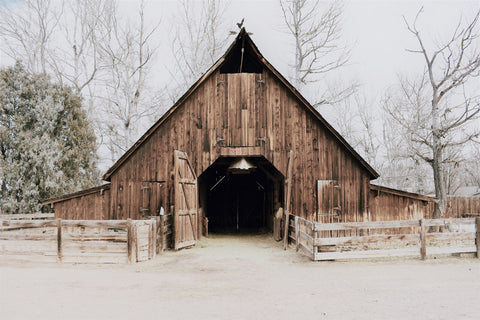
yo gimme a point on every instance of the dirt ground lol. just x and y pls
(242, 277)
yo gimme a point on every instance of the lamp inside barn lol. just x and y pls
(241, 166)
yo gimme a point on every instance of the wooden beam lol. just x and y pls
(288, 183)
(130, 241)
(423, 240)
(59, 240)
(297, 233)
(477, 237)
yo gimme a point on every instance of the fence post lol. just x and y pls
(477, 236)
(130, 240)
(287, 223)
(297, 233)
(59, 240)
(423, 240)
(152, 239)
(154, 230)
(157, 234)
(135, 240)
(161, 233)
(315, 237)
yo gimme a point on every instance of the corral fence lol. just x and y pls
(85, 241)
(380, 239)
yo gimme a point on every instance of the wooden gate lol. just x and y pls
(186, 202)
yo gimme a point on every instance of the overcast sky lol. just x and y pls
(375, 30)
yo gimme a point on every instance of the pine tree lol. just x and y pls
(47, 146)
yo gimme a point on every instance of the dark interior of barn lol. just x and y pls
(240, 195)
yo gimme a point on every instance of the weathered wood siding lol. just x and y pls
(94, 205)
(457, 207)
(242, 110)
(387, 206)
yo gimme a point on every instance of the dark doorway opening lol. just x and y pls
(240, 195)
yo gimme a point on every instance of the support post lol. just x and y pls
(59, 240)
(151, 239)
(158, 238)
(130, 240)
(477, 235)
(288, 194)
(287, 222)
(205, 222)
(161, 233)
(135, 241)
(423, 240)
(297, 233)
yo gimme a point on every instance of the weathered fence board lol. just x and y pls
(403, 238)
(80, 241)
(459, 235)
(29, 216)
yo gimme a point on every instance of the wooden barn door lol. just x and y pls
(186, 202)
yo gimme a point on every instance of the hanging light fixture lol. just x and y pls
(241, 166)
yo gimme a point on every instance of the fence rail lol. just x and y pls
(331, 241)
(27, 216)
(84, 241)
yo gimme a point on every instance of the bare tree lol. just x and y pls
(400, 167)
(472, 168)
(356, 121)
(198, 40)
(318, 46)
(27, 31)
(127, 52)
(437, 111)
(81, 30)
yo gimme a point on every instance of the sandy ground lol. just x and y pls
(249, 277)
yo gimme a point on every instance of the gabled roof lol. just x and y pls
(254, 58)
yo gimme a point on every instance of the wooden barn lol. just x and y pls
(239, 145)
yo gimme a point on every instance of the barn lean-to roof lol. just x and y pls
(256, 58)
(416, 196)
(81, 193)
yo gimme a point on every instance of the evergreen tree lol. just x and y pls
(47, 146)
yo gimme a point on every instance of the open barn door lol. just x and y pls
(186, 202)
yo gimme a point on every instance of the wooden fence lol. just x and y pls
(79, 241)
(164, 232)
(379, 239)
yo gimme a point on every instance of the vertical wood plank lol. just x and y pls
(59, 240)
(287, 199)
(130, 241)
(297, 233)
(157, 236)
(136, 241)
(423, 240)
(151, 240)
(161, 234)
(477, 236)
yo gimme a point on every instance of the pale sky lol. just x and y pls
(375, 30)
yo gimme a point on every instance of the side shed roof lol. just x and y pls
(402, 193)
(77, 194)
